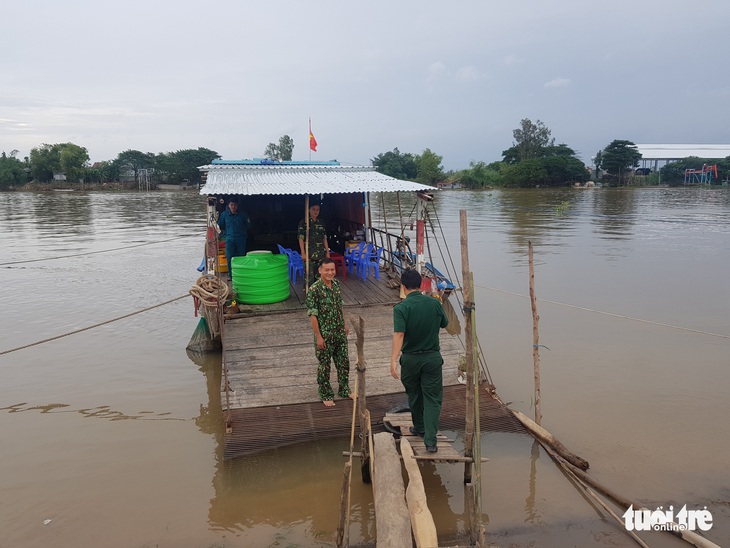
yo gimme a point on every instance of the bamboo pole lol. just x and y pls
(572, 476)
(688, 536)
(306, 243)
(547, 438)
(535, 338)
(480, 534)
(469, 336)
(424, 528)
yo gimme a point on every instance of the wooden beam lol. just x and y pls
(424, 528)
(392, 523)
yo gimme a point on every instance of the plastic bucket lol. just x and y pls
(222, 263)
(261, 278)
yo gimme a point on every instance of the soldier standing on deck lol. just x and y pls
(318, 246)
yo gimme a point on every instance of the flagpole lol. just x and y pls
(309, 136)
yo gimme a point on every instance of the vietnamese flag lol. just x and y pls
(312, 140)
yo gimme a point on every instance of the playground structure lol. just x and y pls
(700, 176)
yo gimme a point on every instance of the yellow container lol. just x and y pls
(222, 264)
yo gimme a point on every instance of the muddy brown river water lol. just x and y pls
(112, 436)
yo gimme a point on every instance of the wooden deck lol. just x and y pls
(272, 373)
(269, 352)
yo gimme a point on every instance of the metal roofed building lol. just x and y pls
(262, 177)
(655, 153)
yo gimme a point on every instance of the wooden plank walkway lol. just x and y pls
(272, 370)
(446, 451)
(270, 357)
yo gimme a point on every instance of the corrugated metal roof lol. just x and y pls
(678, 151)
(249, 180)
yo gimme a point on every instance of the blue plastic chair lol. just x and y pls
(352, 254)
(372, 260)
(362, 258)
(296, 265)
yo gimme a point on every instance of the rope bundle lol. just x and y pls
(209, 295)
(210, 291)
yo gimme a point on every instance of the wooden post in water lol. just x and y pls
(343, 534)
(535, 337)
(306, 243)
(479, 533)
(361, 401)
(468, 335)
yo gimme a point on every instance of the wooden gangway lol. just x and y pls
(446, 451)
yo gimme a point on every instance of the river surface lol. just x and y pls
(112, 436)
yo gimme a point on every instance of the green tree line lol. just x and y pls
(72, 161)
(535, 160)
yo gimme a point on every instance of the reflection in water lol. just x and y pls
(210, 419)
(531, 514)
(99, 412)
(614, 213)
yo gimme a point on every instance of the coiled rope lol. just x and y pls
(210, 292)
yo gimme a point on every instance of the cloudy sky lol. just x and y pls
(453, 76)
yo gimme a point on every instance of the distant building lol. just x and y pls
(651, 155)
(448, 184)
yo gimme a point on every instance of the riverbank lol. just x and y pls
(65, 186)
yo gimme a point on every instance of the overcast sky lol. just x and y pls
(453, 76)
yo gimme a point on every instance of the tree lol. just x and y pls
(66, 158)
(103, 172)
(12, 170)
(73, 160)
(183, 164)
(529, 139)
(618, 157)
(525, 173)
(396, 164)
(480, 175)
(430, 171)
(134, 161)
(283, 151)
(44, 161)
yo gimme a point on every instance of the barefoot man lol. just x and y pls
(324, 307)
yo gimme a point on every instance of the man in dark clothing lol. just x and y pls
(416, 323)
(235, 224)
(318, 246)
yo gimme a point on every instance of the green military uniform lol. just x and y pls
(326, 305)
(420, 317)
(317, 250)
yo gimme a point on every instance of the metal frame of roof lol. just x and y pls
(679, 151)
(297, 178)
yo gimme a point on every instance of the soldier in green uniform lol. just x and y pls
(416, 323)
(318, 246)
(324, 307)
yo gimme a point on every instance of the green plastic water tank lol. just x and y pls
(261, 278)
